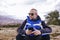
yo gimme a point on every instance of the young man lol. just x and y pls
(33, 28)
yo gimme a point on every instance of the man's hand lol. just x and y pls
(28, 32)
(36, 32)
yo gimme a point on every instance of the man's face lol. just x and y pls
(33, 14)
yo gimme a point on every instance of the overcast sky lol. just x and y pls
(20, 8)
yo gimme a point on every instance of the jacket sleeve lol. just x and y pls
(20, 29)
(46, 29)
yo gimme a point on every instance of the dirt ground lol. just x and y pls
(10, 33)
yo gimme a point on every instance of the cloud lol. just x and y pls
(20, 8)
(57, 7)
(30, 2)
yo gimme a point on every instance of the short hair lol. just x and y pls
(33, 9)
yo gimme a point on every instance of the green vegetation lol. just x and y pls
(53, 18)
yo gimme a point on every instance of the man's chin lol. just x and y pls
(32, 18)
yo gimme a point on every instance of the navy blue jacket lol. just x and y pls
(46, 29)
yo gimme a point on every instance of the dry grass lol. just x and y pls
(10, 33)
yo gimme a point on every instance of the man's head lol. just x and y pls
(33, 13)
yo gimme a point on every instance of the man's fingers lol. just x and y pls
(33, 32)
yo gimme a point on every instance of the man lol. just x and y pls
(33, 28)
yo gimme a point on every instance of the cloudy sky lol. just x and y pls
(20, 8)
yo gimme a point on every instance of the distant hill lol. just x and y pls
(5, 20)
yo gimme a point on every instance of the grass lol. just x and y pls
(55, 34)
(7, 26)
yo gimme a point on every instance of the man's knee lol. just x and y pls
(46, 37)
(19, 37)
(38, 37)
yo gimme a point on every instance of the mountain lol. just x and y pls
(4, 20)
